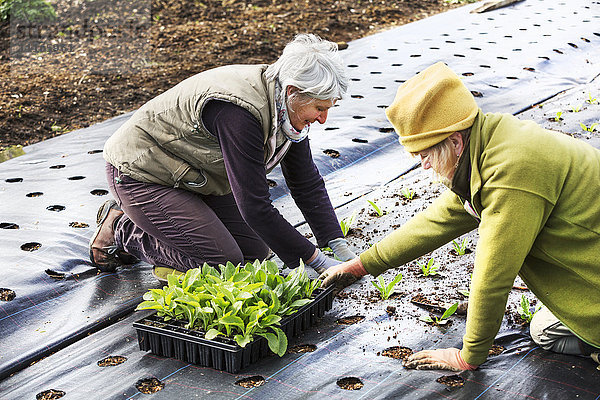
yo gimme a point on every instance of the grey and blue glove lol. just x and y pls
(341, 250)
(321, 262)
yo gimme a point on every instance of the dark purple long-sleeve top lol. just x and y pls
(241, 139)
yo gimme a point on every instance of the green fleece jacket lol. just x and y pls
(536, 193)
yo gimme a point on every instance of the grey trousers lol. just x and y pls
(550, 334)
(170, 227)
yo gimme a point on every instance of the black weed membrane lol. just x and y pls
(56, 308)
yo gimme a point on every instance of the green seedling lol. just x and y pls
(240, 302)
(558, 116)
(375, 207)
(461, 247)
(591, 100)
(55, 128)
(407, 193)
(590, 128)
(429, 268)
(525, 309)
(576, 108)
(346, 223)
(385, 291)
(465, 293)
(443, 320)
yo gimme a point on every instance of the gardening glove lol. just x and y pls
(343, 275)
(341, 250)
(321, 262)
(448, 359)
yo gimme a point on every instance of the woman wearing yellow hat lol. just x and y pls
(532, 193)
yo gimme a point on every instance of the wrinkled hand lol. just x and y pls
(447, 359)
(343, 275)
(341, 250)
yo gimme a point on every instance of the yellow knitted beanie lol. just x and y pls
(431, 106)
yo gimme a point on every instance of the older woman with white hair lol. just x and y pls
(188, 169)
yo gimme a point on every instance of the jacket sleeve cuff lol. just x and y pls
(471, 358)
(372, 262)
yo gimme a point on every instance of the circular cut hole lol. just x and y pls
(451, 380)
(76, 178)
(350, 383)
(511, 77)
(544, 58)
(558, 51)
(386, 130)
(475, 48)
(372, 57)
(355, 79)
(7, 294)
(397, 352)
(357, 96)
(58, 166)
(459, 55)
(501, 58)
(496, 350)
(358, 117)
(379, 87)
(50, 394)
(350, 320)
(352, 66)
(8, 225)
(55, 275)
(375, 73)
(382, 106)
(55, 207)
(358, 140)
(78, 225)
(529, 69)
(149, 385)
(99, 192)
(111, 361)
(468, 74)
(94, 151)
(585, 40)
(415, 55)
(332, 153)
(332, 128)
(271, 183)
(14, 180)
(34, 194)
(302, 348)
(396, 65)
(31, 246)
(573, 45)
(251, 382)
(392, 49)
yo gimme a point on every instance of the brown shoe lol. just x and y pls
(104, 254)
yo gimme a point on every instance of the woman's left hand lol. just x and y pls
(341, 250)
(447, 359)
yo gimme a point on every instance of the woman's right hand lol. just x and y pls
(343, 275)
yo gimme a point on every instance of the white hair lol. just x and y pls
(313, 65)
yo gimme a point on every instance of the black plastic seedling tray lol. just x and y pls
(172, 339)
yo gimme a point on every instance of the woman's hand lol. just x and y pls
(447, 359)
(341, 250)
(343, 275)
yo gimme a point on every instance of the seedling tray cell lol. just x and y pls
(171, 339)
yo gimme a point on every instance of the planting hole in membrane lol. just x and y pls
(7, 294)
(55, 275)
(350, 320)
(386, 130)
(358, 116)
(14, 180)
(111, 361)
(99, 192)
(382, 106)
(302, 348)
(451, 380)
(357, 140)
(31, 246)
(8, 225)
(397, 352)
(375, 73)
(352, 66)
(78, 225)
(50, 394)
(331, 128)
(58, 166)
(271, 183)
(355, 80)
(55, 207)
(357, 96)
(94, 151)
(332, 153)
(34, 194)
(476, 93)
(350, 383)
(251, 382)
(149, 385)
(76, 178)
(496, 350)
(373, 57)
(379, 87)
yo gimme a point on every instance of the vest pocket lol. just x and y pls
(193, 179)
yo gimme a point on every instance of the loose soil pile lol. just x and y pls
(47, 94)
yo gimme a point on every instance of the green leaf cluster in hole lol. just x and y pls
(239, 302)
